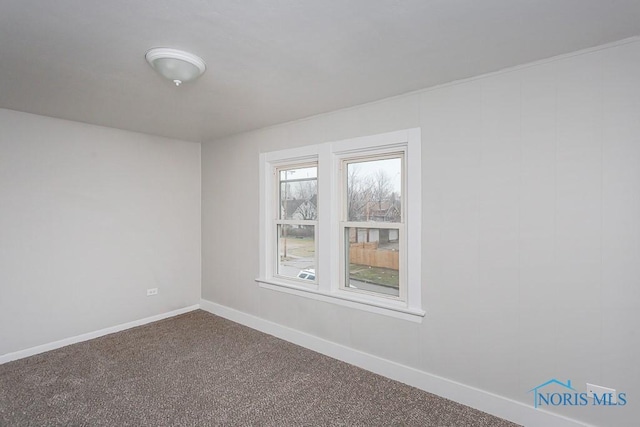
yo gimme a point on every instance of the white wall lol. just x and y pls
(531, 231)
(90, 217)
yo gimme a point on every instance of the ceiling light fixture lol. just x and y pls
(175, 65)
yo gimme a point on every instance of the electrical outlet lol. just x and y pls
(152, 291)
(602, 392)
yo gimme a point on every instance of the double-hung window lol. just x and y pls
(296, 222)
(372, 227)
(340, 222)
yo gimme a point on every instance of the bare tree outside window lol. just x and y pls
(374, 190)
(358, 194)
(381, 187)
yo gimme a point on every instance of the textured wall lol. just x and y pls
(531, 238)
(90, 217)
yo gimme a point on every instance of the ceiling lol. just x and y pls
(271, 61)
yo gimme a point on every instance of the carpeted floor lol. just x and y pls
(198, 369)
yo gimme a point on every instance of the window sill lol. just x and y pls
(342, 298)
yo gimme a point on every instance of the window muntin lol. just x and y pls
(296, 222)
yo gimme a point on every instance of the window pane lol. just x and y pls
(298, 193)
(373, 259)
(297, 252)
(295, 173)
(374, 190)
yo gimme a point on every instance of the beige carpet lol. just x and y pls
(198, 369)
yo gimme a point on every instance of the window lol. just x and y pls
(372, 225)
(296, 221)
(340, 222)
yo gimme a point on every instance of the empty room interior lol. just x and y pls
(357, 212)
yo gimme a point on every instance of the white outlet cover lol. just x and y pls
(152, 291)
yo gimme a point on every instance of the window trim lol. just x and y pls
(329, 213)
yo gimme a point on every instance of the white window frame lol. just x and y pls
(372, 155)
(329, 232)
(277, 221)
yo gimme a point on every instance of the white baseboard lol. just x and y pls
(493, 404)
(91, 335)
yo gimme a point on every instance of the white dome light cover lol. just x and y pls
(175, 65)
